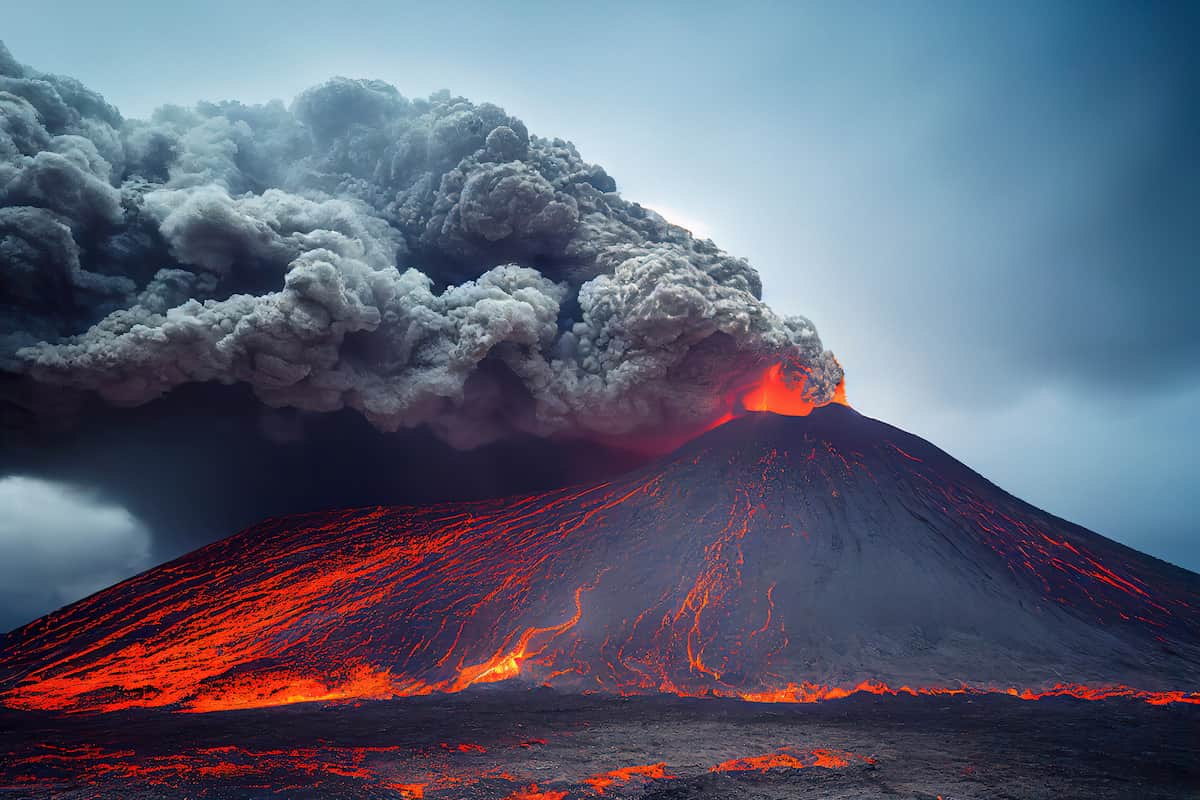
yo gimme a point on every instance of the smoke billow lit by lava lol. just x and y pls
(779, 389)
(421, 261)
(782, 393)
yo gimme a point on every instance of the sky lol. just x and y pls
(988, 210)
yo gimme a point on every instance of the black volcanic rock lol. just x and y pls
(784, 558)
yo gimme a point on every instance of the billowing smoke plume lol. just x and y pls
(425, 262)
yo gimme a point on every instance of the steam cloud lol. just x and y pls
(426, 262)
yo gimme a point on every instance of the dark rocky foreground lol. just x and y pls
(499, 743)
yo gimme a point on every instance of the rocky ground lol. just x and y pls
(542, 745)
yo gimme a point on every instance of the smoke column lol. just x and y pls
(424, 262)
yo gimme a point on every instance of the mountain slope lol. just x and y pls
(774, 558)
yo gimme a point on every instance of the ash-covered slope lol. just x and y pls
(775, 558)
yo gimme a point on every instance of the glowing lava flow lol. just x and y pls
(353, 771)
(604, 780)
(532, 792)
(815, 693)
(780, 393)
(789, 758)
(776, 559)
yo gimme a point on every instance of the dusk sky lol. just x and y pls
(989, 211)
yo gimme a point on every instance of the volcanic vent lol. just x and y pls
(774, 558)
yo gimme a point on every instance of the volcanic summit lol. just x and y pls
(774, 558)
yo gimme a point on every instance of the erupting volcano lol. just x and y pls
(775, 558)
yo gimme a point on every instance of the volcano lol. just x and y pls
(774, 558)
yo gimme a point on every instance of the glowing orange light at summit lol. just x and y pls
(779, 393)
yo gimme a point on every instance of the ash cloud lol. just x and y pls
(423, 262)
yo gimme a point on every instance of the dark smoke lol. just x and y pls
(422, 262)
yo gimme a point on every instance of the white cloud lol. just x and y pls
(684, 219)
(59, 544)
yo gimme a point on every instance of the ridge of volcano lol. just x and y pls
(774, 559)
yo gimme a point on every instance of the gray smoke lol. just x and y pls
(425, 262)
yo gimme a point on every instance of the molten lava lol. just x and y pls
(778, 394)
(783, 391)
(389, 771)
(604, 780)
(532, 792)
(780, 389)
(789, 758)
(775, 559)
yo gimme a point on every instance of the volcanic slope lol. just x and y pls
(774, 558)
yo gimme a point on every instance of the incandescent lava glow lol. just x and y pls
(782, 391)
(410, 771)
(604, 780)
(762, 562)
(532, 792)
(779, 389)
(789, 758)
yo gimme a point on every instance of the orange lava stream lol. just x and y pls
(531, 792)
(791, 759)
(362, 682)
(604, 780)
(501, 667)
(368, 768)
(815, 693)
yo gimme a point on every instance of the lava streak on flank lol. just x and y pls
(774, 559)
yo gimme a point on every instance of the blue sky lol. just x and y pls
(989, 210)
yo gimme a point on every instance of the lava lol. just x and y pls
(359, 681)
(90, 765)
(532, 792)
(788, 758)
(779, 389)
(779, 394)
(372, 769)
(604, 780)
(723, 571)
